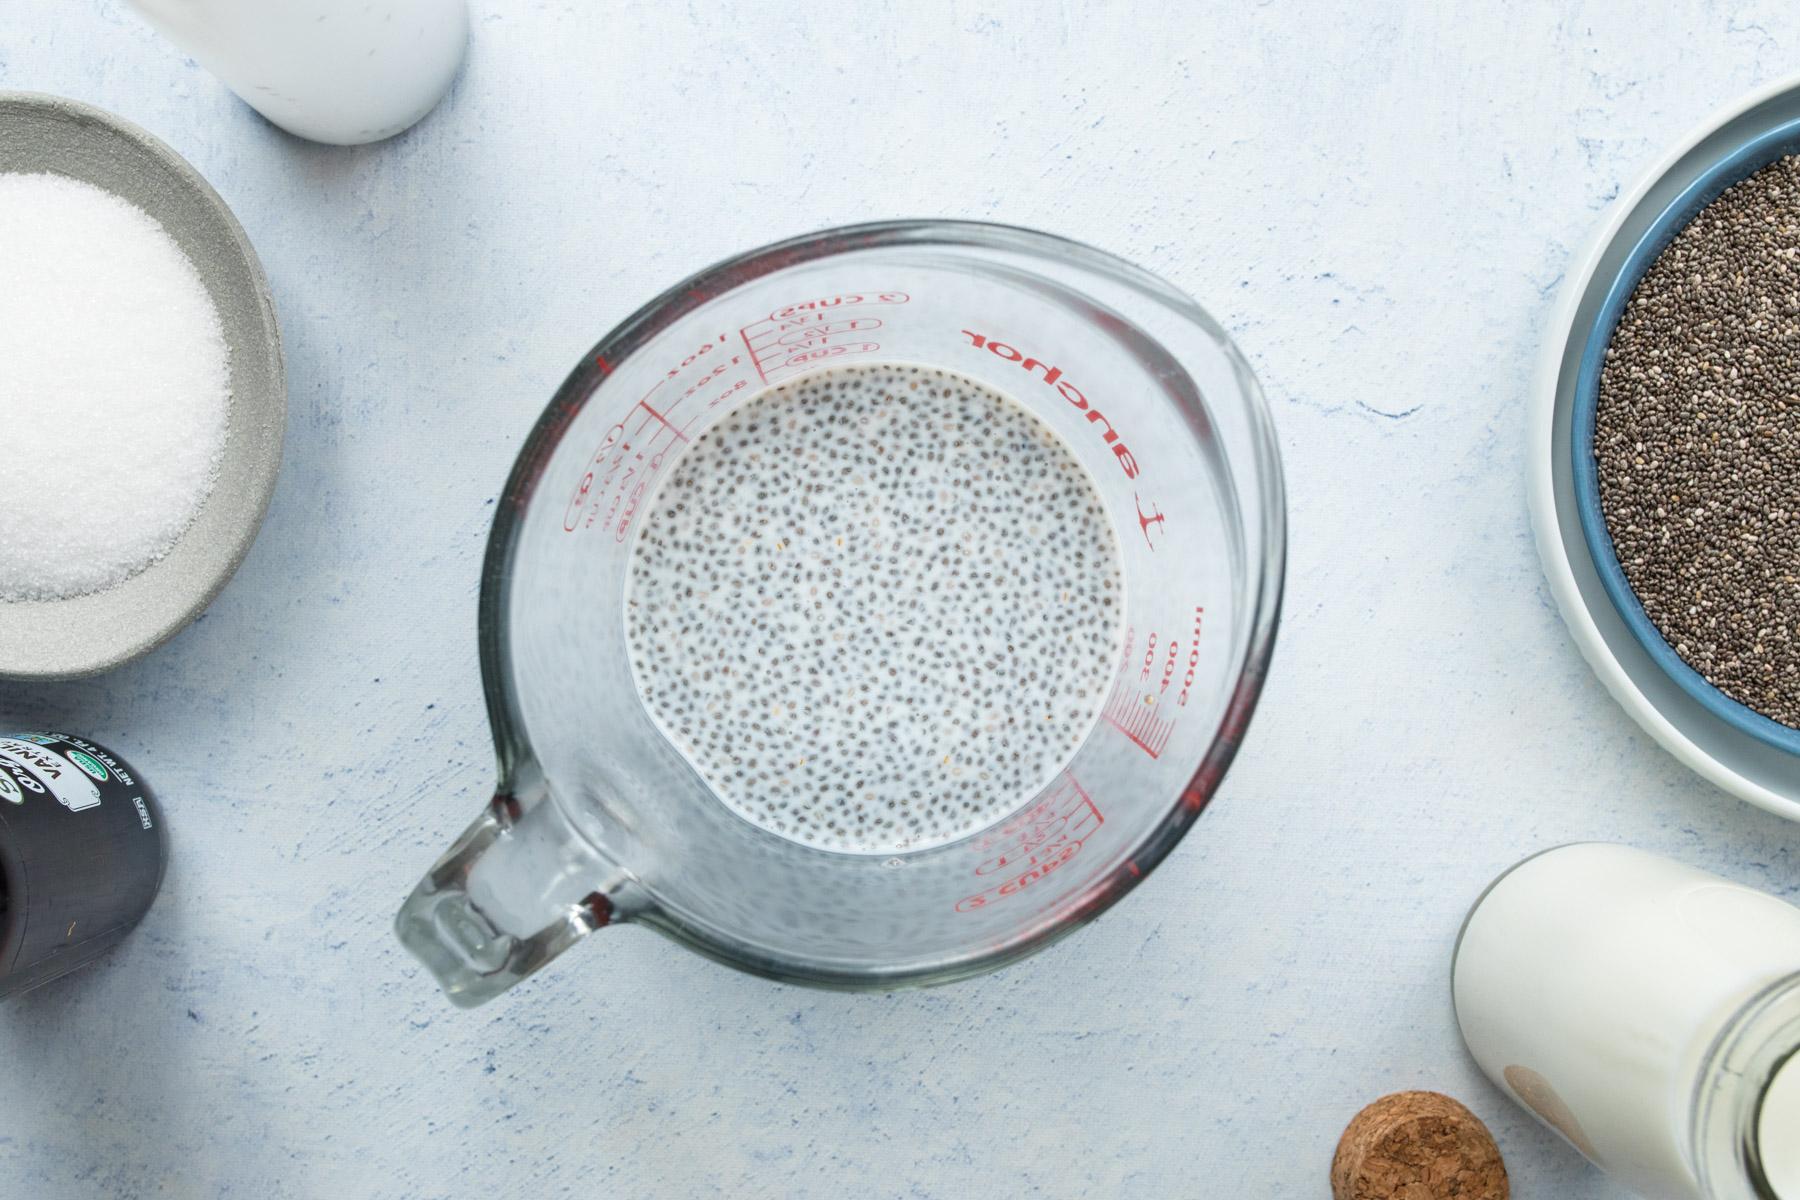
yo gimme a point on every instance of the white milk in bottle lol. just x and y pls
(338, 71)
(1646, 1011)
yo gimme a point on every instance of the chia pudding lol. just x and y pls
(878, 607)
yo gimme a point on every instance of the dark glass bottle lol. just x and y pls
(81, 855)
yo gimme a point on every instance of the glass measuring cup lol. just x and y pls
(599, 819)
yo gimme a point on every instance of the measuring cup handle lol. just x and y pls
(520, 886)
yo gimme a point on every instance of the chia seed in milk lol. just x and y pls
(878, 608)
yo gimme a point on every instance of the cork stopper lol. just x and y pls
(1417, 1146)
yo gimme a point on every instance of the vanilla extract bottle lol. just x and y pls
(82, 850)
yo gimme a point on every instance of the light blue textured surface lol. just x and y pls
(1378, 201)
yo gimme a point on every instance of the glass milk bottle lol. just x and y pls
(1648, 1012)
(339, 71)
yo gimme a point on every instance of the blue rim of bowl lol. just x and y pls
(1733, 168)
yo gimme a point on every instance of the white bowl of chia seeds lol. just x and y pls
(1656, 435)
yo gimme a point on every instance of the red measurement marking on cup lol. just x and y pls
(645, 405)
(797, 337)
(819, 335)
(1134, 715)
(619, 472)
(1035, 844)
(618, 475)
(1155, 686)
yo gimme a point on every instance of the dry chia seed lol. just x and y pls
(878, 608)
(1697, 441)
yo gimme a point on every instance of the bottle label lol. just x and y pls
(84, 837)
(37, 768)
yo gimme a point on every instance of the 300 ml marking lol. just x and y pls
(1141, 708)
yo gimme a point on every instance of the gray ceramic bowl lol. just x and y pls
(1575, 561)
(61, 639)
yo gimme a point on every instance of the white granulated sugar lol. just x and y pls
(114, 389)
(878, 608)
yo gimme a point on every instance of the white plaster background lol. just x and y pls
(1377, 199)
